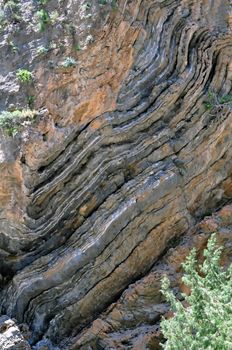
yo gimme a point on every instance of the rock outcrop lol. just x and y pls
(10, 336)
(124, 160)
(133, 321)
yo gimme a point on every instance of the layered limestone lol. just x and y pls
(133, 321)
(124, 160)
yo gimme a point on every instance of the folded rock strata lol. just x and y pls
(125, 159)
(133, 321)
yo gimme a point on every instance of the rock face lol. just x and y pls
(125, 160)
(10, 336)
(133, 321)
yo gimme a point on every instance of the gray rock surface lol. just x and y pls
(10, 336)
(124, 160)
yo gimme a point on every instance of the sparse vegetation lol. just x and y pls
(10, 12)
(12, 122)
(69, 62)
(13, 6)
(86, 6)
(71, 29)
(42, 50)
(44, 19)
(31, 101)
(216, 103)
(62, 47)
(24, 76)
(13, 47)
(42, 2)
(86, 10)
(113, 3)
(77, 47)
(54, 15)
(2, 20)
(206, 322)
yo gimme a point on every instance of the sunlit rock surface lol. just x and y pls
(10, 336)
(133, 321)
(125, 160)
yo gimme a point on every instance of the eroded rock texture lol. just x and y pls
(126, 160)
(10, 336)
(133, 321)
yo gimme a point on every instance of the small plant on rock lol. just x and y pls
(216, 104)
(30, 101)
(12, 122)
(24, 76)
(77, 47)
(44, 19)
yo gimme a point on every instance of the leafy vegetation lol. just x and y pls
(30, 101)
(206, 323)
(44, 19)
(12, 122)
(217, 103)
(77, 47)
(24, 76)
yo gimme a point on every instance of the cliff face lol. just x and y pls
(122, 160)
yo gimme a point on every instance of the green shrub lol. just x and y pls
(24, 76)
(44, 19)
(206, 323)
(217, 103)
(77, 47)
(31, 101)
(12, 122)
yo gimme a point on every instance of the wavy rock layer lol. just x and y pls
(133, 321)
(126, 159)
